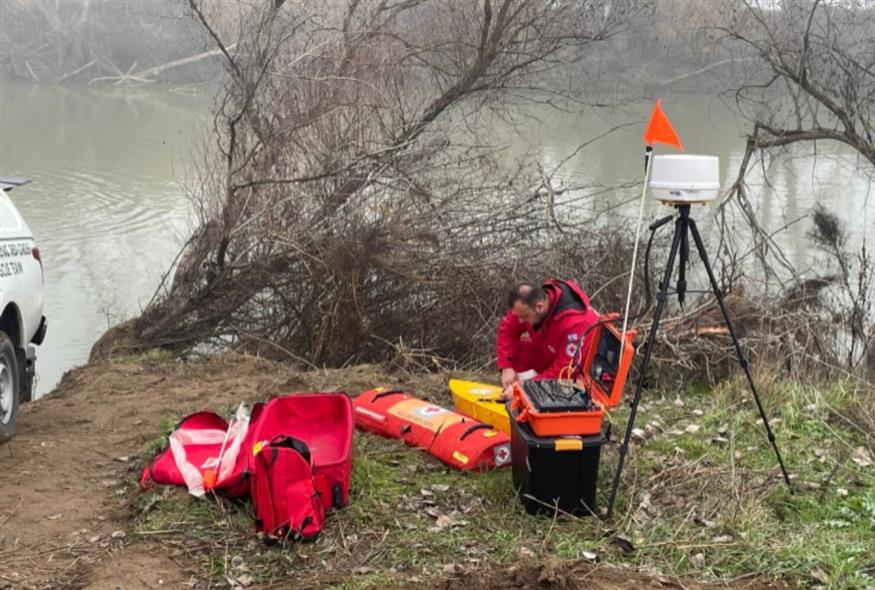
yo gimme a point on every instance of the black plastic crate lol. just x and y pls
(555, 472)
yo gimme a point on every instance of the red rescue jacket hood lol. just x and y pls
(565, 296)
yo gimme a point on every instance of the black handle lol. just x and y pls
(475, 428)
(337, 496)
(282, 440)
(383, 394)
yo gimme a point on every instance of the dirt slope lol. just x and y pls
(67, 480)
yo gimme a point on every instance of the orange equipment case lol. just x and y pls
(603, 378)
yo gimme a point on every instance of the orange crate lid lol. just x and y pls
(604, 372)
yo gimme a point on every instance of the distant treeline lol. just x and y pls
(87, 40)
(665, 42)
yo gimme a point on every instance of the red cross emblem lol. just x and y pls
(502, 455)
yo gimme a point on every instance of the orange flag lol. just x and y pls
(659, 129)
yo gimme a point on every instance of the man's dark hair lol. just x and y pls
(527, 292)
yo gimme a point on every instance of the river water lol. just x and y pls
(107, 203)
(110, 169)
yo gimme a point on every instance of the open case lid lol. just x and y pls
(604, 372)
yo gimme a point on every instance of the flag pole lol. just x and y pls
(648, 158)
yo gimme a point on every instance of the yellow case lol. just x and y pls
(482, 402)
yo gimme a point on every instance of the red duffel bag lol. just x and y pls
(323, 421)
(206, 457)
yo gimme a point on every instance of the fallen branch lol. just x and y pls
(144, 76)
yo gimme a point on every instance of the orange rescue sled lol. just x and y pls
(457, 440)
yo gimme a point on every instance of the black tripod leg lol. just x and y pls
(742, 360)
(661, 296)
(682, 265)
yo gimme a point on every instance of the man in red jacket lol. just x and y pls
(542, 331)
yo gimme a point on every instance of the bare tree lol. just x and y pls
(354, 205)
(814, 82)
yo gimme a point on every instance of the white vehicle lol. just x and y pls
(22, 323)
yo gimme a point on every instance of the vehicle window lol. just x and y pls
(10, 220)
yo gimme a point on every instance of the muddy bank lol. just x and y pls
(70, 500)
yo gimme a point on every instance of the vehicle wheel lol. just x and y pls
(10, 384)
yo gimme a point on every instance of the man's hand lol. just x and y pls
(508, 377)
(507, 393)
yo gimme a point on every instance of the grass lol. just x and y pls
(690, 504)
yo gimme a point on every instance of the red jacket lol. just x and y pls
(553, 343)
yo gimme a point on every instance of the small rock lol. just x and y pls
(119, 535)
(236, 562)
(426, 492)
(698, 412)
(819, 575)
(842, 492)
(448, 568)
(94, 539)
(245, 580)
(862, 457)
(54, 516)
(678, 403)
(698, 560)
(722, 539)
(692, 428)
(443, 521)
(639, 434)
(440, 487)
(362, 570)
(723, 430)
(720, 441)
(123, 458)
(589, 555)
(525, 552)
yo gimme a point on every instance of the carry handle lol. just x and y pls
(494, 400)
(474, 428)
(383, 394)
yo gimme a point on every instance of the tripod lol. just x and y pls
(683, 224)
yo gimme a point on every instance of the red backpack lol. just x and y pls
(283, 492)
